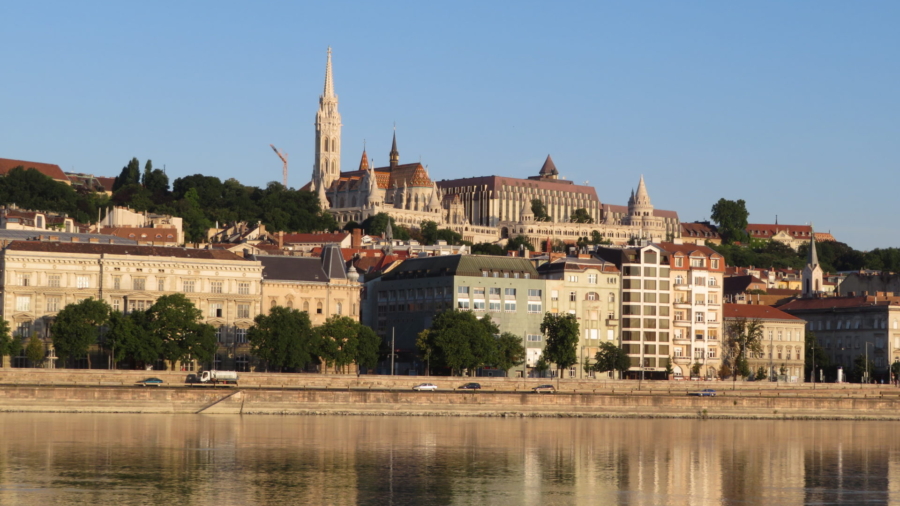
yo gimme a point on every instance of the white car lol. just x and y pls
(425, 386)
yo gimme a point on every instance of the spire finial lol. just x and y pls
(329, 80)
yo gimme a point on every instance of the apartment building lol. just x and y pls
(587, 287)
(41, 278)
(782, 354)
(405, 300)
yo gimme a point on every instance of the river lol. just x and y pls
(48, 459)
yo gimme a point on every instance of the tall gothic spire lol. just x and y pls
(329, 81)
(813, 255)
(395, 155)
(364, 162)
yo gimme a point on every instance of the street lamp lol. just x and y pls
(867, 357)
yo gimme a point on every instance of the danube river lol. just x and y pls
(221, 460)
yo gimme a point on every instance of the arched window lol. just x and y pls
(592, 296)
(290, 304)
(306, 306)
(273, 304)
(340, 308)
(325, 145)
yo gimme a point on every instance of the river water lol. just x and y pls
(50, 459)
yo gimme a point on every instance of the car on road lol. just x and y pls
(471, 386)
(423, 387)
(544, 389)
(150, 381)
(706, 392)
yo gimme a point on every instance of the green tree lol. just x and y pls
(77, 327)
(177, 325)
(539, 210)
(6, 340)
(518, 242)
(731, 218)
(130, 174)
(486, 248)
(35, 350)
(863, 368)
(127, 337)
(895, 371)
(376, 225)
(284, 339)
(761, 374)
(510, 351)
(542, 365)
(429, 231)
(338, 337)
(814, 354)
(561, 331)
(743, 336)
(581, 215)
(460, 341)
(610, 357)
(367, 345)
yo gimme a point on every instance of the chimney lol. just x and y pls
(526, 253)
(281, 239)
(356, 238)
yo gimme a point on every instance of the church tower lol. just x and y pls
(811, 277)
(327, 167)
(394, 156)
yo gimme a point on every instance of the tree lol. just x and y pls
(814, 354)
(895, 372)
(130, 174)
(127, 338)
(518, 242)
(743, 336)
(863, 368)
(542, 365)
(539, 210)
(284, 338)
(77, 327)
(177, 325)
(376, 225)
(429, 230)
(510, 351)
(581, 215)
(731, 218)
(486, 248)
(6, 341)
(460, 341)
(611, 358)
(338, 338)
(761, 374)
(35, 350)
(367, 345)
(695, 370)
(561, 331)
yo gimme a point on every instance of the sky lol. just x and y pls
(791, 106)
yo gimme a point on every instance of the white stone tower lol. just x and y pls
(328, 134)
(811, 277)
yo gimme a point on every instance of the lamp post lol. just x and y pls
(867, 357)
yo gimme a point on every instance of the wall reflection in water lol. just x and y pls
(221, 460)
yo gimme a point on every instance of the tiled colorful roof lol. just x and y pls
(47, 169)
(314, 238)
(754, 311)
(764, 231)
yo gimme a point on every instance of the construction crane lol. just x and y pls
(284, 158)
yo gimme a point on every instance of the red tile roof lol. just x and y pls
(838, 302)
(314, 238)
(145, 234)
(47, 169)
(106, 183)
(753, 311)
(120, 249)
(764, 231)
(699, 230)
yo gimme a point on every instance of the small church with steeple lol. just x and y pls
(811, 277)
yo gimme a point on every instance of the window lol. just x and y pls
(138, 283)
(712, 353)
(215, 310)
(592, 279)
(592, 296)
(240, 336)
(23, 303)
(698, 262)
(535, 338)
(612, 281)
(318, 308)
(511, 292)
(699, 317)
(243, 310)
(23, 279)
(53, 281)
(494, 291)
(462, 290)
(484, 274)
(160, 284)
(189, 285)
(573, 279)
(53, 304)
(117, 282)
(534, 292)
(534, 307)
(478, 305)
(554, 295)
(215, 287)
(462, 304)
(478, 292)
(679, 280)
(243, 288)
(612, 297)
(82, 282)
(509, 306)
(305, 306)
(220, 334)
(494, 307)
(573, 296)
(679, 262)
(340, 308)
(117, 305)
(715, 263)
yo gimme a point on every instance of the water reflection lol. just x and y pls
(222, 460)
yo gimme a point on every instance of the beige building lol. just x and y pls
(782, 343)
(320, 286)
(587, 287)
(41, 278)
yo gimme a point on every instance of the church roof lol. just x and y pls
(549, 168)
(413, 174)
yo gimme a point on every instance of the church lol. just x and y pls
(481, 209)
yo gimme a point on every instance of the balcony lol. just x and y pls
(699, 303)
(712, 303)
(612, 322)
(682, 360)
(683, 304)
(682, 286)
(682, 323)
(682, 340)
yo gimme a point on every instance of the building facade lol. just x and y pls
(41, 278)
(783, 340)
(589, 288)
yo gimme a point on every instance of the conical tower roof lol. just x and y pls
(364, 162)
(549, 168)
(329, 80)
(641, 196)
(813, 259)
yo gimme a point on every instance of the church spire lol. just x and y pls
(813, 254)
(641, 196)
(395, 155)
(329, 81)
(364, 162)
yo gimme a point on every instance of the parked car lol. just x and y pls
(425, 387)
(706, 392)
(150, 381)
(544, 389)
(471, 386)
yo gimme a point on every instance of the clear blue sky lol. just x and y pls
(791, 106)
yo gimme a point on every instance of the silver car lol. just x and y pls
(425, 386)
